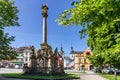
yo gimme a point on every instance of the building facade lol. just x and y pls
(80, 59)
(23, 56)
(67, 62)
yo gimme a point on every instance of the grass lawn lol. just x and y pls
(110, 77)
(20, 76)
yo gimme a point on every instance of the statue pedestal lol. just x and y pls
(44, 58)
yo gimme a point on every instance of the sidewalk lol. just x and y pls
(8, 70)
(89, 75)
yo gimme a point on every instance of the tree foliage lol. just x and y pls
(8, 17)
(100, 20)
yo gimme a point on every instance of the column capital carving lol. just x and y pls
(44, 10)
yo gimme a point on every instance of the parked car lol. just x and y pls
(96, 70)
(118, 71)
(108, 71)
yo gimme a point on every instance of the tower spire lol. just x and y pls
(72, 48)
(61, 48)
(61, 51)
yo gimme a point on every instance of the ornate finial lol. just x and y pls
(61, 51)
(33, 50)
(71, 48)
(56, 50)
(61, 48)
(44, 10)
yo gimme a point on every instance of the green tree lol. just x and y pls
(8, 17)
(100, 20)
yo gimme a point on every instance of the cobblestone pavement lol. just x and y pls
(91, 76)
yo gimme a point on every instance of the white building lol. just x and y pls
(23, 56)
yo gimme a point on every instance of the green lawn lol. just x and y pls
(110, 77)
(20, 76)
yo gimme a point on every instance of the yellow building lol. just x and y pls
(80, 59)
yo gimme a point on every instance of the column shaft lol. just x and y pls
(44, 30)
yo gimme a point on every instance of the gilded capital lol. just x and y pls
(44, 10)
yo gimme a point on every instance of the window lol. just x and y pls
(25, 59)
(80, 60)
(26, 53)
(84, 60)
(21, 59)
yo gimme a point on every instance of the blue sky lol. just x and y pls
(30, 31)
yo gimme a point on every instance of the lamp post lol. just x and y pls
(115, 74)
(80, 67)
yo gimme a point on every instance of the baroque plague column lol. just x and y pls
(45, 60)
(44, 54)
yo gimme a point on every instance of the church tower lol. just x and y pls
(72, 53)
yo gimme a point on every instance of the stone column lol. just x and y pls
(44, 15)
